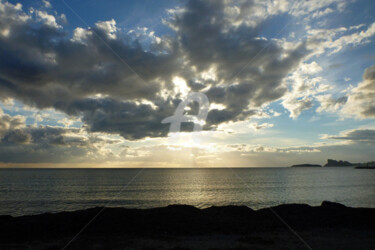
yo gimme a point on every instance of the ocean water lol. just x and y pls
(33, 191)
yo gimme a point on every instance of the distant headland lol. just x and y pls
(339, 163)
(334, 163)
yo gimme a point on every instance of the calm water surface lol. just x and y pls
(32, 191)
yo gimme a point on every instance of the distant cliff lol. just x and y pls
(334, 163)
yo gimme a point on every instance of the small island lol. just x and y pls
(339, 163)
(306, 166)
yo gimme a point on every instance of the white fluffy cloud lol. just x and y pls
(48, 19)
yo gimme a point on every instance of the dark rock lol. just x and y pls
(330, 204)
(178, 221)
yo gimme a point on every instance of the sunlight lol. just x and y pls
(180, 86)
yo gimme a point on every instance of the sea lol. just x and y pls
(35, 191)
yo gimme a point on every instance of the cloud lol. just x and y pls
(129, 119)
(46, 18)
(304, 85)
(329, 104)
(362, 135)
(210, 43)
(361, 99)
(123, 83)
(47, 4)
(118, 86)
(8, 122)
(249, 149)
(318, 7)
(108, 27)
(322, 40)
(296, 106)
(321, 13)
(50, 144)
(258, 126)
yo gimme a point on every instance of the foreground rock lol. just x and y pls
(181, 226)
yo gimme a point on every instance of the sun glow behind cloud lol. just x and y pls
(180, 86)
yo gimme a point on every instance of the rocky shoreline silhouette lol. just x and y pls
(186, 227)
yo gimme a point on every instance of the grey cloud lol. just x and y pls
(361, 99)
(238, 55)
(45, 135)
(369, 112)
(341, 100)
(369, 73)
(45, 68)
(8, 122)
(335, 65)
(16, 137)
(258, 126)
(49, 144)
(357, 135)
(132, 121)
(327, 103)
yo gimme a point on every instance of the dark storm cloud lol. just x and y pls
(46, 68)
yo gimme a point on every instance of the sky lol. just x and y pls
(88, 83)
